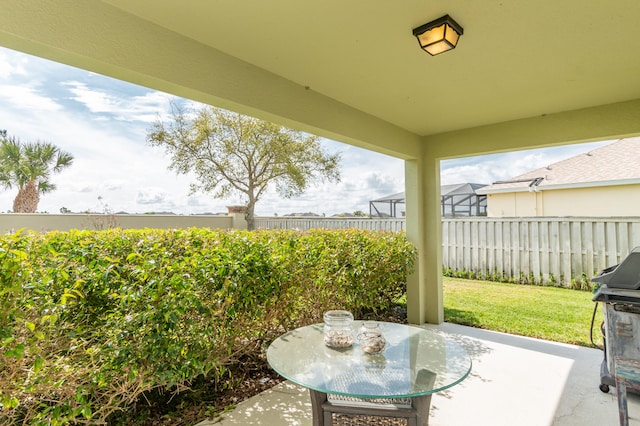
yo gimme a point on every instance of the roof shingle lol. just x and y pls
(617, 161)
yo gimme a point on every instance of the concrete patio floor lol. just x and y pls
(514, 381)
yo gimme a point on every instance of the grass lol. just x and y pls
(548, 313)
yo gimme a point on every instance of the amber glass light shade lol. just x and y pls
(438, 36)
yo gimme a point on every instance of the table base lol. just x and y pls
(328, 413)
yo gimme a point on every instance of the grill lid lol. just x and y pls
(617, 295)
(624, 275)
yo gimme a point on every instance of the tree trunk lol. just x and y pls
(249, 215)
(27, 199)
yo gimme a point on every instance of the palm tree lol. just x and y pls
(29, 166)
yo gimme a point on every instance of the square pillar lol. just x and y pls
(239, 215)
(424, 230)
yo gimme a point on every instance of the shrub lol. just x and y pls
(93, 322)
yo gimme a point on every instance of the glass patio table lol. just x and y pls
(348, 386)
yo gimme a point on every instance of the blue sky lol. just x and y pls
(103, 122)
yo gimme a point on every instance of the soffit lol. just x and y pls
(516, 59)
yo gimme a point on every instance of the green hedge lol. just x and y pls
(91, 321)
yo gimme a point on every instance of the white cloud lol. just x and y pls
(151, 196)
(27, 98)
(12, 64)
(383, 183)
(196, 201)
(144, 108)
(94, 100)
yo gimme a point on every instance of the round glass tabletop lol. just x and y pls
(414, 362)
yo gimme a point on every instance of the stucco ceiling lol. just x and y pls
(516, 58)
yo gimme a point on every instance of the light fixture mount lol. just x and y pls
(438, 36)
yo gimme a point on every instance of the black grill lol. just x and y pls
(620, 294)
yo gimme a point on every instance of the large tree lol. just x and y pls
(29, 166)
(233, 153)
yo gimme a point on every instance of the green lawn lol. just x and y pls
(549, 313)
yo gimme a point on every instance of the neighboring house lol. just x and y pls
(460, 199)
(603, 182)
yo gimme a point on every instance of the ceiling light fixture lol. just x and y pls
(438, 36)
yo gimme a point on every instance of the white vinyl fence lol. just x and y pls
(540, 250)
(304, 223)
(543, 250)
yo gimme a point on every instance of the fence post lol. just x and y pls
(238, 213)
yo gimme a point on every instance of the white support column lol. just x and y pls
(424, 229)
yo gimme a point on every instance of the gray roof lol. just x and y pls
(617, 163)
(453, 189)
(397, 198)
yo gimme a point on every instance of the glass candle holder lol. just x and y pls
(338, 329)
(370, 338)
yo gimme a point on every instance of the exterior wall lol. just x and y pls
(11, 222)
(601, 201)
